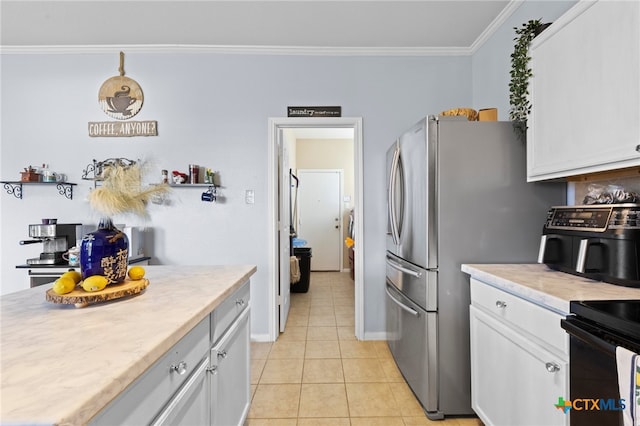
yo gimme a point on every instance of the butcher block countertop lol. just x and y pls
(543, 286)
(61, 364)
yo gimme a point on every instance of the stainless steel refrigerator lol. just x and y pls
(457, 193)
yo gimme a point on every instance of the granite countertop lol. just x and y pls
(543, 286)
(61, 365)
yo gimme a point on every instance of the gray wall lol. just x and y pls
(491, 63)
(212, 109)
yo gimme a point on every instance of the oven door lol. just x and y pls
(593, 372)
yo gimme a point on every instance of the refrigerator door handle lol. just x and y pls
(392, 196)
(399, 267)
(400, 304)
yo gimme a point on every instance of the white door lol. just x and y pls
(284, 220)
(319, 220)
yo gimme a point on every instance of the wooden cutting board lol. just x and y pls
(82, 298)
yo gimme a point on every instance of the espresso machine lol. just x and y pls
(56, 239)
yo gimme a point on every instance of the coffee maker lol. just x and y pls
(57, 239)
(600, 242)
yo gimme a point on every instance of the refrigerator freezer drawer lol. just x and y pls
(412, 338)
(419, 285)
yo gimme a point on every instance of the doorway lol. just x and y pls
(280, 221)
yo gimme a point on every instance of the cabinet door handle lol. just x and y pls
(213, 369)
(552, 367)
(179, 368)
(222, 354)
(240, 302)
(501, 304)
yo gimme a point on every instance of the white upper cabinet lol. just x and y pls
(585, 92)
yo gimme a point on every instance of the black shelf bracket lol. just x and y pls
(14, 189)
(65, 189)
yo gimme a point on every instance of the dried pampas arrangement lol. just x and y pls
(122, 191)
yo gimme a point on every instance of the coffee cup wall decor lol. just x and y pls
(120, 97)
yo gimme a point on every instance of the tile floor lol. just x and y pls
(317, 373)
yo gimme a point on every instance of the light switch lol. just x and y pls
(249, 196)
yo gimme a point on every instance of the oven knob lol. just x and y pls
(552, 367)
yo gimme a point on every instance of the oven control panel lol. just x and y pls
(594, 218)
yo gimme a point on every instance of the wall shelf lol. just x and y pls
(15, 187)
(94, 171)
(210, 195)
(192, 185)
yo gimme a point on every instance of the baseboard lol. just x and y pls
(378, 335)
(260, 338)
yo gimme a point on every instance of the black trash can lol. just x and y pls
(304, 260)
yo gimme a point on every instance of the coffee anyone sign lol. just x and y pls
(121, 98)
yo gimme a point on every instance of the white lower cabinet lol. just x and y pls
(199, 381)
(191, 405)
(230, 374)
(142, 401)
(516, 378)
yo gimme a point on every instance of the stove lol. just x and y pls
(596, 328)
(619, 316)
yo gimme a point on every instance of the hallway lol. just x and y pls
(317, 373)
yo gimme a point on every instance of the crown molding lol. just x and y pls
(495, 24)
(242, 50)
(275, 50)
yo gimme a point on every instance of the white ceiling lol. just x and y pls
(419, 26)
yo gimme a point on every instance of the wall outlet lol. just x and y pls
(249, 196)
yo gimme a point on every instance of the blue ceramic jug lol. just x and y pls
(105, 252)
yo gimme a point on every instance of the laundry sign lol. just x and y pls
(314, 111)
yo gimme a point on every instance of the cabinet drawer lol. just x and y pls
(227, 311)
(540, 322)
(143, 399)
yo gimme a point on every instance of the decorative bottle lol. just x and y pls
(105, 252)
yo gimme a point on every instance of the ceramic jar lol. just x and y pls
(105, 252)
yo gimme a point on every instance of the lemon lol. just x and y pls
(95, 283)
(64, 285)
(136, 272)
(74, 275)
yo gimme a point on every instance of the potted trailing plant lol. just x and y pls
(520, 74)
